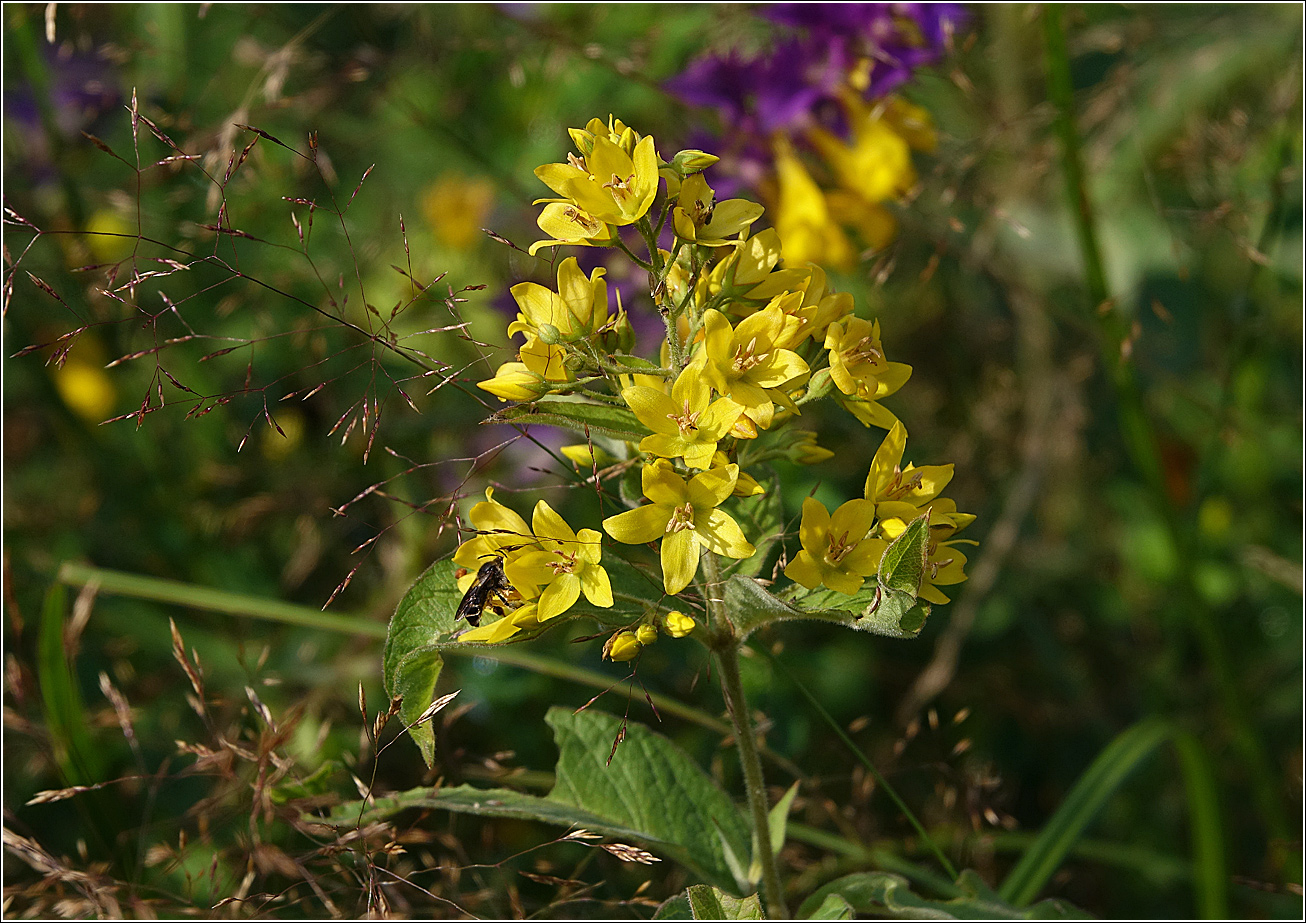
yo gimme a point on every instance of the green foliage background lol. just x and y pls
(1097, 597)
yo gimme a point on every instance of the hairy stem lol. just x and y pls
(726, 646)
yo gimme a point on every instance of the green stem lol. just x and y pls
(725, 643)
(737, 706)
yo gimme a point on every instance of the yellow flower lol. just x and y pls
(686, 518)
(575, 310)
(698, 217)
(747, 485)
(837, 549)
(583, 455)
(687, 423)
(677, 624)
(567, 224)
(860, 370)
(744, 363)
(559, 566)
(499, 532)
(803, 218)
(608, 183)
(615, 131)
(888, 481)
(514, 382)
(521, 618)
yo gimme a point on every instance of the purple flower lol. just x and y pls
(798, 83)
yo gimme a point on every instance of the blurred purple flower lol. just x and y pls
(799, 81)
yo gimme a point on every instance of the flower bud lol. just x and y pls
(624, 645)
(550, 334)
(692, 161)
(804, 450)
(646, 634)
(514, 382)
(678, 624)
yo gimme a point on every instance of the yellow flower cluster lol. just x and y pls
(750, 340)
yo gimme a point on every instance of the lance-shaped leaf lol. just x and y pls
(750, 606)
(578, 416)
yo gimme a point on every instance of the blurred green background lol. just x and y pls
(1103, 591)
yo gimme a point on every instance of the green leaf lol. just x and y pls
(651, 785)
(65, 715)
(903, 564)
(578, 415)
(411, 661)
(779, 817)
(750, 606)
(834, 907)
(707, 903)
(675, 907)
(1112, 766)
(652, 794)
(886, 894)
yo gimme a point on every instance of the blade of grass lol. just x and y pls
(1112, 766)
(1210, 876)
(870, 767)
(65, 715)
(117, 583)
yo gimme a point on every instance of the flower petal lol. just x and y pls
(680, 551)
(640, 525)
(719, 532)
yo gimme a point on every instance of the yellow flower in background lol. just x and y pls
(685, 517)
(559, 566)
(687, 423)
(110, 236)
(86, 388)
(875, 163)
(457, 207)
(802, 216)
(838, 550)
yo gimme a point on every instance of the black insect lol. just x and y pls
(490, 581)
